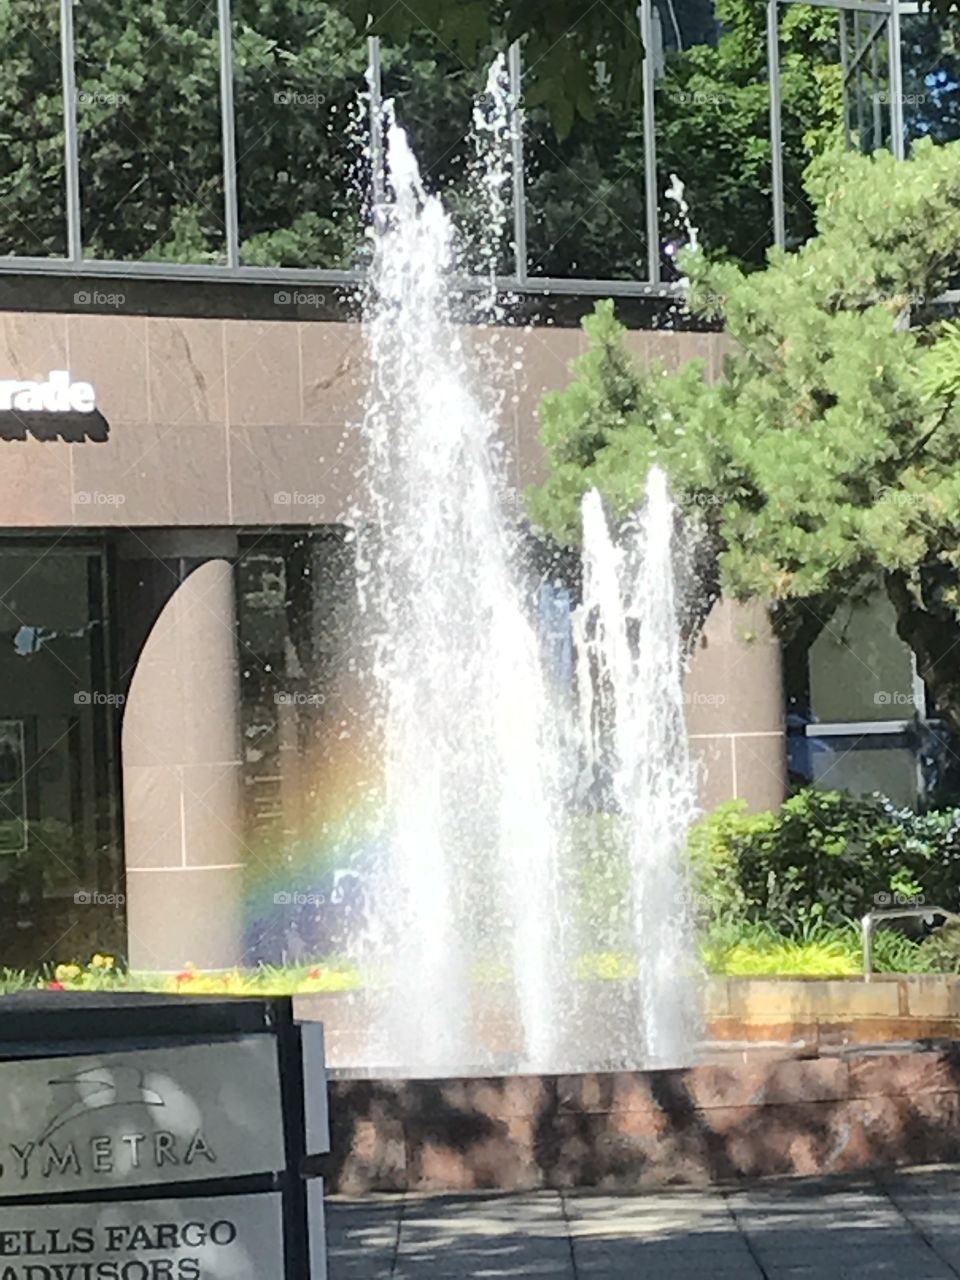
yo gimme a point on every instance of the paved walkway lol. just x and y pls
(904, 1226)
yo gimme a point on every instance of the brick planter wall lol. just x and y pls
(755, 1115)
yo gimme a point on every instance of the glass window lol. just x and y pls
(845, 686)
(867, 97)
(148, 116)
(299, 81)
(860, 669)
(309, 779)
(434, 92)
(863, 765)
(713, 131)
(812, 113)
(61, 866)
(931, 79)
(586, 209)
(32, 183)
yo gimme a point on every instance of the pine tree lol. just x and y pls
(824, 462)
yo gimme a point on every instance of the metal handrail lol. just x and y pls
(869, 923)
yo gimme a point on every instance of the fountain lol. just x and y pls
(472, 888)
(536, 795)
(630, 686)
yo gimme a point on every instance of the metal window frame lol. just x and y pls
(75, 263)
(892, 10)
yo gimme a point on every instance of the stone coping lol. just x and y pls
(804, 1012)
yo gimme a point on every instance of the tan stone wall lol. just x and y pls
(734, 698)
(226, 422)
(207, 421)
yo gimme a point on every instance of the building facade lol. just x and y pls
(180, 398)
(175, 689)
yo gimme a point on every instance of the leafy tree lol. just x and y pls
(824, 461)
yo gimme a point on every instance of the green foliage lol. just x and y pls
(149, 120)
(713, 847)
(941, 951)
(824, 460)
(823, 858)
(598, 881)
(758, 950)
(608, 427)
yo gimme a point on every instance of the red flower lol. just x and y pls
(185, 976)
(56, 986)
(315, 973)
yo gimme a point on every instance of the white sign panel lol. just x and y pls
(316, 1112)
(137, 1118)
(206, 1238)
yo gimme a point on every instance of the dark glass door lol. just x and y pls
(61, 863)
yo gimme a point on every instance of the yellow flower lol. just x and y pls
(67, 972)
(102, 962)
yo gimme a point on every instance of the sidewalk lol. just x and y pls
(905, 1226)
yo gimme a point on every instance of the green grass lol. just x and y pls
(738, 950)
(756, 950)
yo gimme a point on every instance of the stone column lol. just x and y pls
(734, 698)
(182, 785)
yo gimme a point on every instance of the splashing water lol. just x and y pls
(469, 878)
(630, 680)
(676, 192)
(470, 870)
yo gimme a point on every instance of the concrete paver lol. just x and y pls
(903, 1225)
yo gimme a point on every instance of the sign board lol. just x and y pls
(143, 1117)
(58, 394)
(201, 1238)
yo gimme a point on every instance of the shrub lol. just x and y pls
(824, 856)
(941, 951)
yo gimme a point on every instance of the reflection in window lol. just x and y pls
(434, 92)
(310, 778)
(61, 864)
(931, 80)
(856, 715)
(585, 195)
(148, 117)
(863, 764)
(713, 126)
(867, 87)
(299, 77)
(32, 182)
